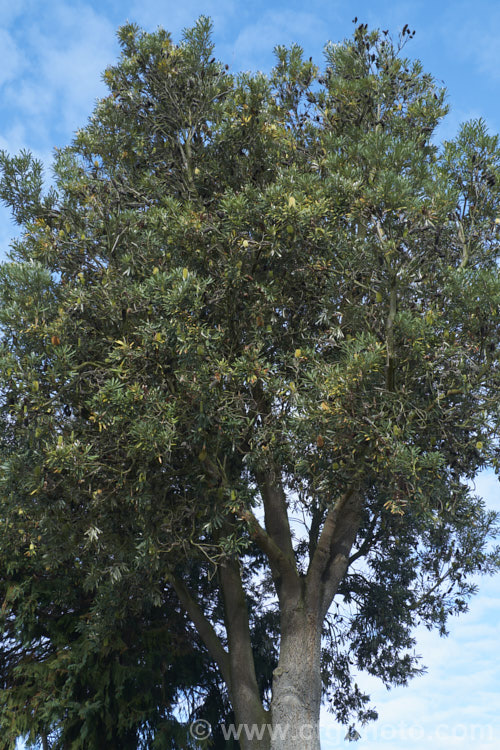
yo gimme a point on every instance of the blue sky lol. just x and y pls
(53, 54)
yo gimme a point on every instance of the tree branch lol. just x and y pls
(331, 556)
(204, 627)
(278, 531)
(341, 544)
(245, 693)
(272, 492)
(322, 552)
(276, 557)
(275, 511)
(368, 541)
(418, 602)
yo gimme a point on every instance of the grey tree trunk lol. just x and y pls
(296, 699)
(253, 725)
(293, 722)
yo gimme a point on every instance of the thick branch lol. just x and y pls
(279, 562)
(245, 693)
(316, 518)
(321, 555)
(275, 510)
(341, 545)
(205, 629)
(331, 557)
(271, 490)
(278, 531)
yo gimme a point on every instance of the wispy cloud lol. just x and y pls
(254, 45)
(454, 704)
(13, 62)
(177, 16)
(473, 34)
(51, 86)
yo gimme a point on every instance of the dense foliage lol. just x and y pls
(246, 299)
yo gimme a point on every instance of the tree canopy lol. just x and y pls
(250, 364)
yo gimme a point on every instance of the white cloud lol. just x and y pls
(454, 704)
(12, 58)
(71, 60)
(10, 10)
(176, 16)
(473, 35)
(256, 41)
(53, 85)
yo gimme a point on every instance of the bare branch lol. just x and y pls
(204, 627)
(285, 574)
(277, 559)
(331, 557)
(368, 541)
(245, 692)
(275, 510)
(321, 555)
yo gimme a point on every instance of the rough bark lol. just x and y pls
(297, 683)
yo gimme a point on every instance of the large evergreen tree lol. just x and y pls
(250, 345)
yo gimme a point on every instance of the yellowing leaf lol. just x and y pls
(292, 202)
(378, 297)
(245, 243)
(479, 445)
(298, 353)
(324, 406)
(155, 270)
(185, 273)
